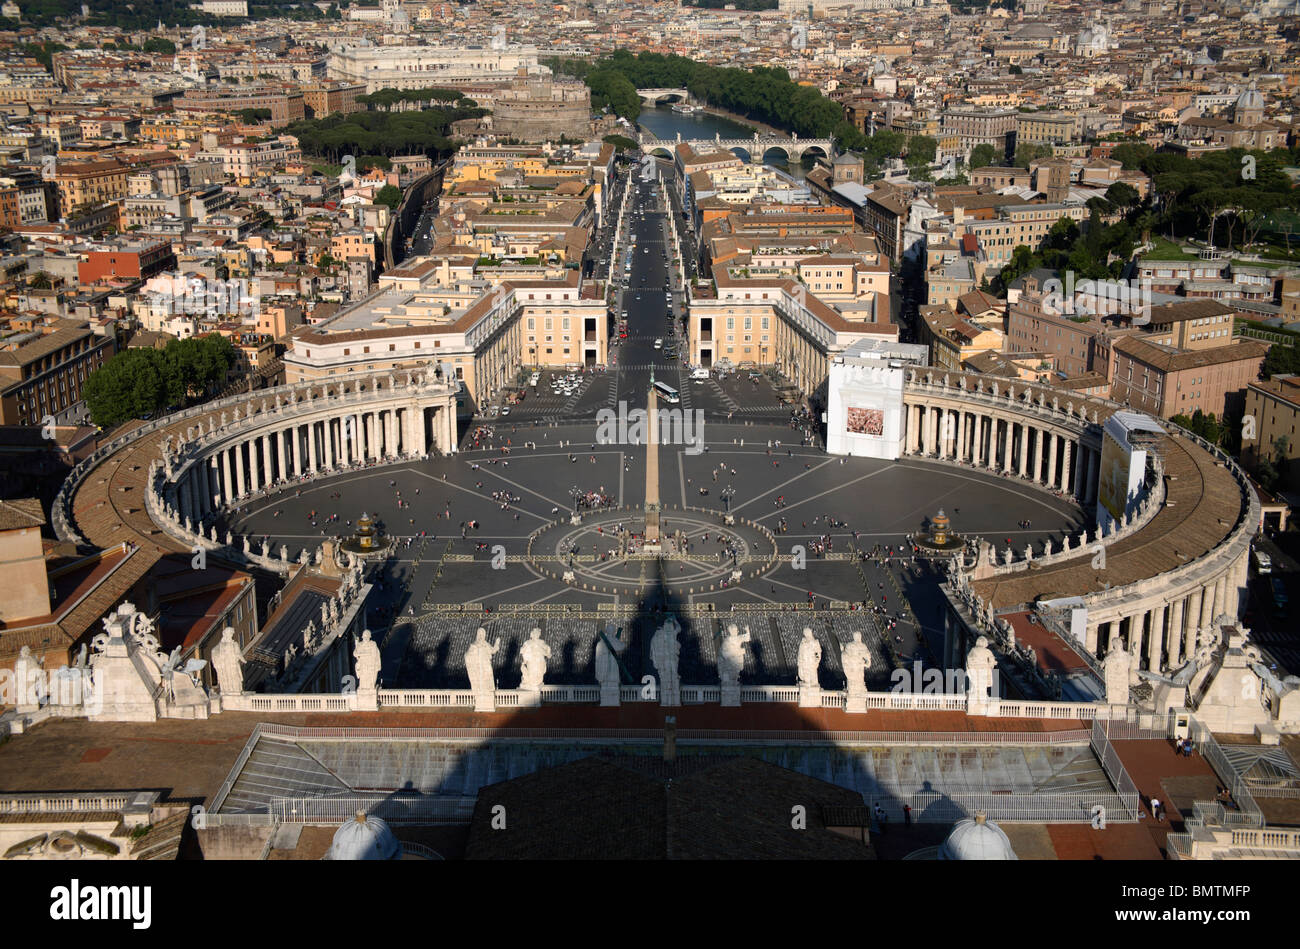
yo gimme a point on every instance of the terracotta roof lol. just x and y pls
(1168, 360)
(1204, 501)
(20, 513)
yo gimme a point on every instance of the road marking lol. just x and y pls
(802, 474)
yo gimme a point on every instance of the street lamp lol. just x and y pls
(727, 494)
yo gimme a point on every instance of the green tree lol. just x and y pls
(1123, 194)
(1028, 152)
(390, 195)
(982, 156)
(921, 150)
(1132, 154)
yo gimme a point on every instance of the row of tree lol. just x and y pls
(138, 382)
(764, 94)
(381, 133)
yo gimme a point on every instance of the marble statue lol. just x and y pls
(27, 681)
(664, 652)
(607, 671)
(810, 657)
(731, 660)
(855, 658)
(533, 655)
(367, 663)
(981, 668)
(227, 662)
(1117, 668)
(478, 663)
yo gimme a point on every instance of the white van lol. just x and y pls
(699, 373)
(1263, 562)
(659, 344)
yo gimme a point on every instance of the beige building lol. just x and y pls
(23, 560)
(778, 323)
(1274, 406)
(1165, 382)
(484, 337)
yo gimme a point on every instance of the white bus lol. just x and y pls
(667, 392)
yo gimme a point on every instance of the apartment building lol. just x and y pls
(484, 336)
(42, 372)
(1021, 224)
(87, 183)
(776, 322)
(1165, 382)
(326, 98)
(980, 126)
(1274, 405)
(953, 340)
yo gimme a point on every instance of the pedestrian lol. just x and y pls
(881, 819)
(1157, 811)
(907, 814)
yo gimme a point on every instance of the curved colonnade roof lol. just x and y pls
(1203, 505)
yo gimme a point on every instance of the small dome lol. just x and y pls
(978, 839)
(1251, 99)
(364, 838)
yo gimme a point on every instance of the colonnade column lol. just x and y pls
(1192, 622)
(1155, 639)
(1176, 632)
(1050, 480)
(239, 471)
(279, 453)
(1065, 466)
(1007, 442)
(961, 435)
(1024, 450)
(311, 446)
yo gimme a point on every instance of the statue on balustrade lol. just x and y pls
(607, 672)
(665, 651)
(367, 663)
(856, 660)
(478, 663)
(533, 655)
(731, 656)
(228, 662)
(810, 658)
(1117, 669)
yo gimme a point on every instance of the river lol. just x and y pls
(665, 124)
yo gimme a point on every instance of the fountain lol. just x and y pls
(367, 540)
(940, 537)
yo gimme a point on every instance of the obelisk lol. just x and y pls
(652, 472)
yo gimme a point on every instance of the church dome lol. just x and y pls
(364, 838)
(978, 839)
(1251, 99)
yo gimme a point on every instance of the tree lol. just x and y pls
(1123, 194)
(921, 150)
(620, 142)
(41, 281)
(982, 156)
(1029, 152)
(1132, 154)
(137, 382)
(389, 195)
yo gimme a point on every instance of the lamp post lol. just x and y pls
(727, 494)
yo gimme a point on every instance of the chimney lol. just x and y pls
(670, 739)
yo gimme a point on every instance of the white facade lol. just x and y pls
(864, 417)
(226, 7)
(418, 67)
